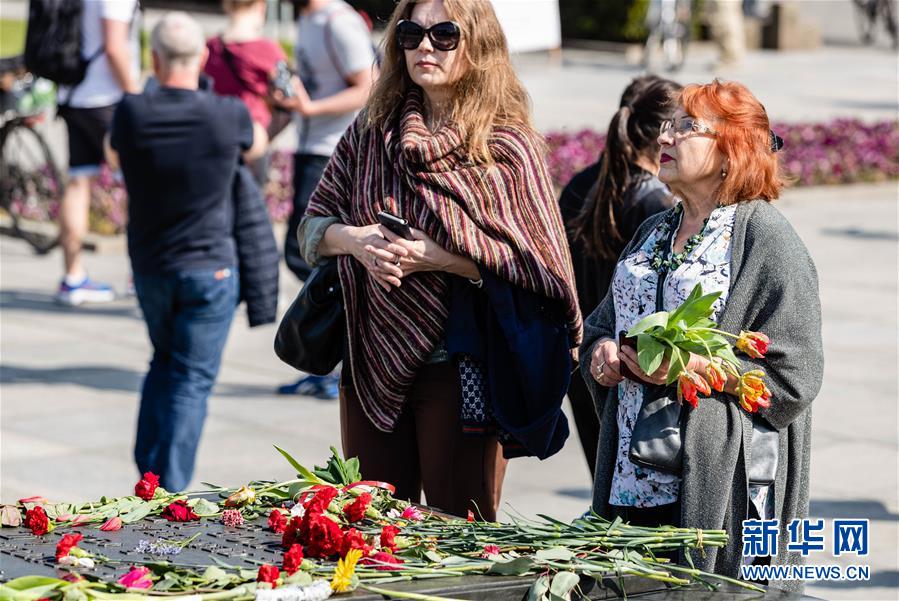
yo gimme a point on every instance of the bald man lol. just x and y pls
(178, 148)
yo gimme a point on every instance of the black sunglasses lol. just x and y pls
(444, 36)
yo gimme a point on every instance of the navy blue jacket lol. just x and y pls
(257, 251)
(523, 341)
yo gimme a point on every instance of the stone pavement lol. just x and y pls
(70, 379)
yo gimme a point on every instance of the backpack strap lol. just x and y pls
(329, 43)
(228, 56)
(97, 55)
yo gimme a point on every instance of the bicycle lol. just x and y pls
(668, 22)
(31, 183)
(867, 15)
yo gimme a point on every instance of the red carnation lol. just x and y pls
(36, 519)
(65, 545)
(353, 539)
(320, 501)
(383, 561)
(321, 536)
(293, 559)
(268, 574)
(291, 534)
(388, 534)
(146, 486)
(355, 511)
(470, 517)
(277, 522)
(178, 511)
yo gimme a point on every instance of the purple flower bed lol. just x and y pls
(842, 151)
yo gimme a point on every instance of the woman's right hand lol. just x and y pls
(605, 363)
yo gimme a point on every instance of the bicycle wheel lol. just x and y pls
(30, 185)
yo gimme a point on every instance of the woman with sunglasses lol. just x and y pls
(719, 158)
(460, 327)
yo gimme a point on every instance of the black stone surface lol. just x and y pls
(250, 545)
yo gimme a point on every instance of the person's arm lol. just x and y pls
(347, 100)
(259, 146)
(118, 54)
(349, 43)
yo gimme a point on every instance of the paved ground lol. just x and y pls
(69, 378)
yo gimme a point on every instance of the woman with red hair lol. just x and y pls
(719, 158)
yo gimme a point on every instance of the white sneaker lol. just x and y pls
(88, 291)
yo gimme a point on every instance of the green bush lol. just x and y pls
(618, 21)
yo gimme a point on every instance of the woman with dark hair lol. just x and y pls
(602, 207)
(458, 329)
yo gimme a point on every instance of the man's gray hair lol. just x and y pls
(178, 40)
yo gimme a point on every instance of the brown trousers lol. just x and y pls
(427, 448)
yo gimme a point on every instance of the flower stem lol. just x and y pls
(400, 595)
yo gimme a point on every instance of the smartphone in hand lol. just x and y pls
(395, 224)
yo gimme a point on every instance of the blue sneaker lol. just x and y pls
(320, 387)
(87, 291)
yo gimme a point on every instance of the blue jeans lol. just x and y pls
(307, 171)
(188, 315)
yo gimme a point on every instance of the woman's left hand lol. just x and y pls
(628, 356)
(421, 254)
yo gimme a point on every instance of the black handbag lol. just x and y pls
(656, 441)
(312, 333)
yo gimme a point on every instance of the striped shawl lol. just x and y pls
(503, 216)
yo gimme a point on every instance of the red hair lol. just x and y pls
(753, 170)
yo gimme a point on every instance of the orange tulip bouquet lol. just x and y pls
(689, 329)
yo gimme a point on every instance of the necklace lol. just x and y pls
(662, 260)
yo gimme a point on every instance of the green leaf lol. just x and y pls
(204, 508)
(701, 308)
(678, 363)
(432, 556)
(650, 353)
(138, 514)
(659, 319)
(563, 583)
(517, 567)
(694, 294)
(302, 471)
(24, 583)
(538, 590)
(299, 578)
(214, 575)
(727, 353)
(554, 554)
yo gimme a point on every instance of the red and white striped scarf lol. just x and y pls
(504, 216)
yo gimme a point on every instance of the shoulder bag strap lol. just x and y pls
(97, 55)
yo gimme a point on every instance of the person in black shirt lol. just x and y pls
(179, 149)
(603, 205)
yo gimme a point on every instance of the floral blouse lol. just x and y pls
(634, 293)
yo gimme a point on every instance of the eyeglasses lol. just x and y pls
(444, 36)
(684, 125)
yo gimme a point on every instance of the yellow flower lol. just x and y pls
(243, 496)
(343, 573)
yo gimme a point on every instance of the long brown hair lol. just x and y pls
(633, 132)
(487, 94)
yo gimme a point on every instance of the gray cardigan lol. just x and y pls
(773, 289)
